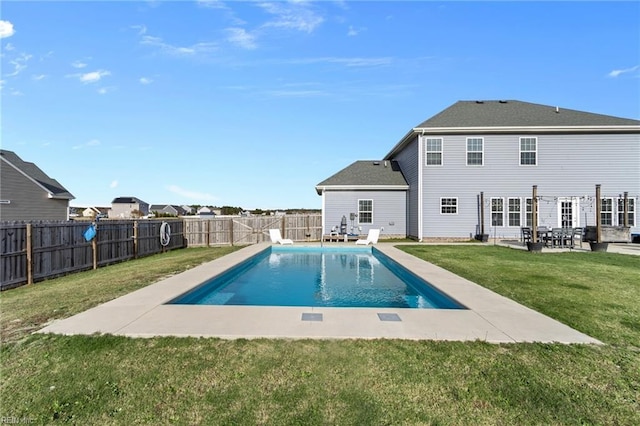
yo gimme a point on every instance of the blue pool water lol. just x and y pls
(315, 276)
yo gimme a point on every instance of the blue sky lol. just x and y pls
(253, 103)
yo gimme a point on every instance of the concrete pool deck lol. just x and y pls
(490, 317)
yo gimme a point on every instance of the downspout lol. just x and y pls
(420, 197)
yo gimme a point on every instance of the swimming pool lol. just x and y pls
(319, 277)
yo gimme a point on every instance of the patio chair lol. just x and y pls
(526, 234)
(577, 232)
(276, 237)
(557, 237)
(372, 237)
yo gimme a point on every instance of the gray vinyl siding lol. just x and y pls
(567, 166)
(27, 200)
(408, 161)
(389, 211)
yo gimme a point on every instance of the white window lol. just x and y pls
(365, 211)
(515, 211)
(528, 151)
(606, 211)
(434, 152)
(529, 211)
(475, 151)
(631, 211)
(448, 206)
(497, 212)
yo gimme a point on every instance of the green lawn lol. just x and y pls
(117, 380)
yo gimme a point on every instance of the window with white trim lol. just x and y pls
(475, 151)
(365, 211)
(497, 212)
(528, 151)
(433, 152)
(606, 211)
(449, 205)
(631, 211)
(515, 213)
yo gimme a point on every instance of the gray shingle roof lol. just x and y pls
(366, 173)
(33, 172)
(127, 200)
(513, 113)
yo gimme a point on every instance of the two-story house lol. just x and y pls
(473, 167)
(128, 207)
(28, 193)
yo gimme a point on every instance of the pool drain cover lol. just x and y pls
(389, 317)
(311, 317)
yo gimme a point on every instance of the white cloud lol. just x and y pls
(192, 195)
(617, 73)
(94, 76)
(113, 184)
(240, 37)
(19, 64)
(142, 29)
(349, 62)
(178, 50)
(78, 64)
(6, 29)
(39, 77)
(88, 144)
(105, 90)
(9, 47)
(213, 4)
(145, 80)
(295, 16)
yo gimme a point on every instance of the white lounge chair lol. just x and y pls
(372, 237)
(276, 237)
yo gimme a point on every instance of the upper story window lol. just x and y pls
(448, 206)
(475, 150)
(528, 151)
(365, 211)
(434, 152)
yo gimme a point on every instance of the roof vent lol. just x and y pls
(557, 110)
(376, 163)
(503, 102)
(479, 102)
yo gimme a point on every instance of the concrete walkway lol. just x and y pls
(489, 317)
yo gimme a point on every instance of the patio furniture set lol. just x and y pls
(554, 237)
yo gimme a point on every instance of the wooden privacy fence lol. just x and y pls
(35, 251)
(234, 230)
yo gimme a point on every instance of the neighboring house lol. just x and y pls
(128, 207)
(171, 209)
(27, 193)
(205, 211)
(188, 209)
(496, 151)
(98, 212)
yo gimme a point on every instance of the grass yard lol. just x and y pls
(117, 380)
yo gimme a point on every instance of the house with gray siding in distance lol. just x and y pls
(127, 208)
(27, 193)
(473, 166)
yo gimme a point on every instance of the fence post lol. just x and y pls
(207, 229)
(29, 254)
(284, 228)
(135, 239)
(231, 230)
(94, 247)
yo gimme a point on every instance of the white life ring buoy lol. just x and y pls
(165, 234)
